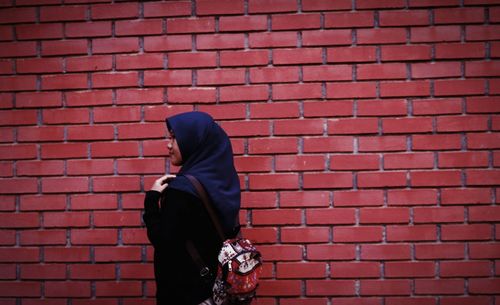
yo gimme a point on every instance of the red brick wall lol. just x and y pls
(365, 133)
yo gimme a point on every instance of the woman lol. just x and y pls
(204, 151)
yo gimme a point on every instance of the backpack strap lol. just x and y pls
(210, 209)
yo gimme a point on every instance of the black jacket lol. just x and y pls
(180, 217)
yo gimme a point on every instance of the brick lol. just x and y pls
(89, 63)
(18, 117)
(135, 61)
(301, 270)
(384, 216)
(18, 152)
(430, 3)
(141, 166)
(139, 131)
(67, 115)
(64, 81)
(357, 234)
(43, 237)
(358, 198)
(330, 216)
(382, 143)
(469, 232)
(355, 270)
(190, 25)
(18, 49)
(65, 185)
(94, 236)
(67, 289)
(445, 33)
(225, 7)
(117, 114)
(115, 45)
(24, 254)
(167, 9)
(272, 39)
(38, 99)
(329, 144)
(305, 235)
(482, 105)
(385, 287)
(381, 36)
(459, 15)
(66, 219)
(351, 90)
(367, 4)
(134, 236)
(40, 168)
(89, 167)
(116, 184)
(44, 65)
(276, 217)
(483, 250)
(154, 95)
(436, 70)
(138, 27)
(115, 79)
(411, 233)
(155, 78)
(330, 288)
(252, 93)
(64, 47)
(437, 106)
(327, 37)
(296, 91)
(295, 21)
(330, 252)
(439, 286)
(151, 149)
(242, 23)
(408, 88)
(94, 202)
(225, 112)
(353, 126)
(66, 13)
(479, 300)
(191, 95)
(188, 60)
(88, 133)
(297, 56)
(406, 125)
(460, 50)
(482, 177)
(299, 163)
(261, 6)
(435, 178)
(18, 15)
(465, 269)
(349, 19)
(88, 29)
(19, 186)
(39, 31)
(301, 199)
(114, 11)
(6, 67)
(253, 164)
(462, 159)
(381, 179)
(243, 58)
(406, 52)
(20, 220)
(327, 180)
(318, 5)
(481, 32)
(482, 141)
(167, 43)
(436, 142)
(18, 83)
(328, 109)
(70, 254)
(274, 110)
(404, 18)
(409, 269)
(408, 160)
(6, 33)
(354, 162)
(465, 196)
(381, 71)
(89, 272)
(481, 214)
(117, 219)
(480, 69)
(272, 145)
(43, 203)
(327, 73)
(484, 286)
(352, 54)
(220, 41)
(21, 289)
(273, 181)
(260, 199)
(7, 135)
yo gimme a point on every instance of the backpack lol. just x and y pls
(240, 263)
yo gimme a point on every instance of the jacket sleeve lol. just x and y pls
(167, 224)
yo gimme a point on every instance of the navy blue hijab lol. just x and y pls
(207, 154)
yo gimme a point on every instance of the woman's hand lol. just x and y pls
(162, 183)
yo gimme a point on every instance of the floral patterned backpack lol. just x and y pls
(240, 263)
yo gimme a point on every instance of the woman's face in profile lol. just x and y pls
(173, 149)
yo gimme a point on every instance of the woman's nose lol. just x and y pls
(169, 145)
